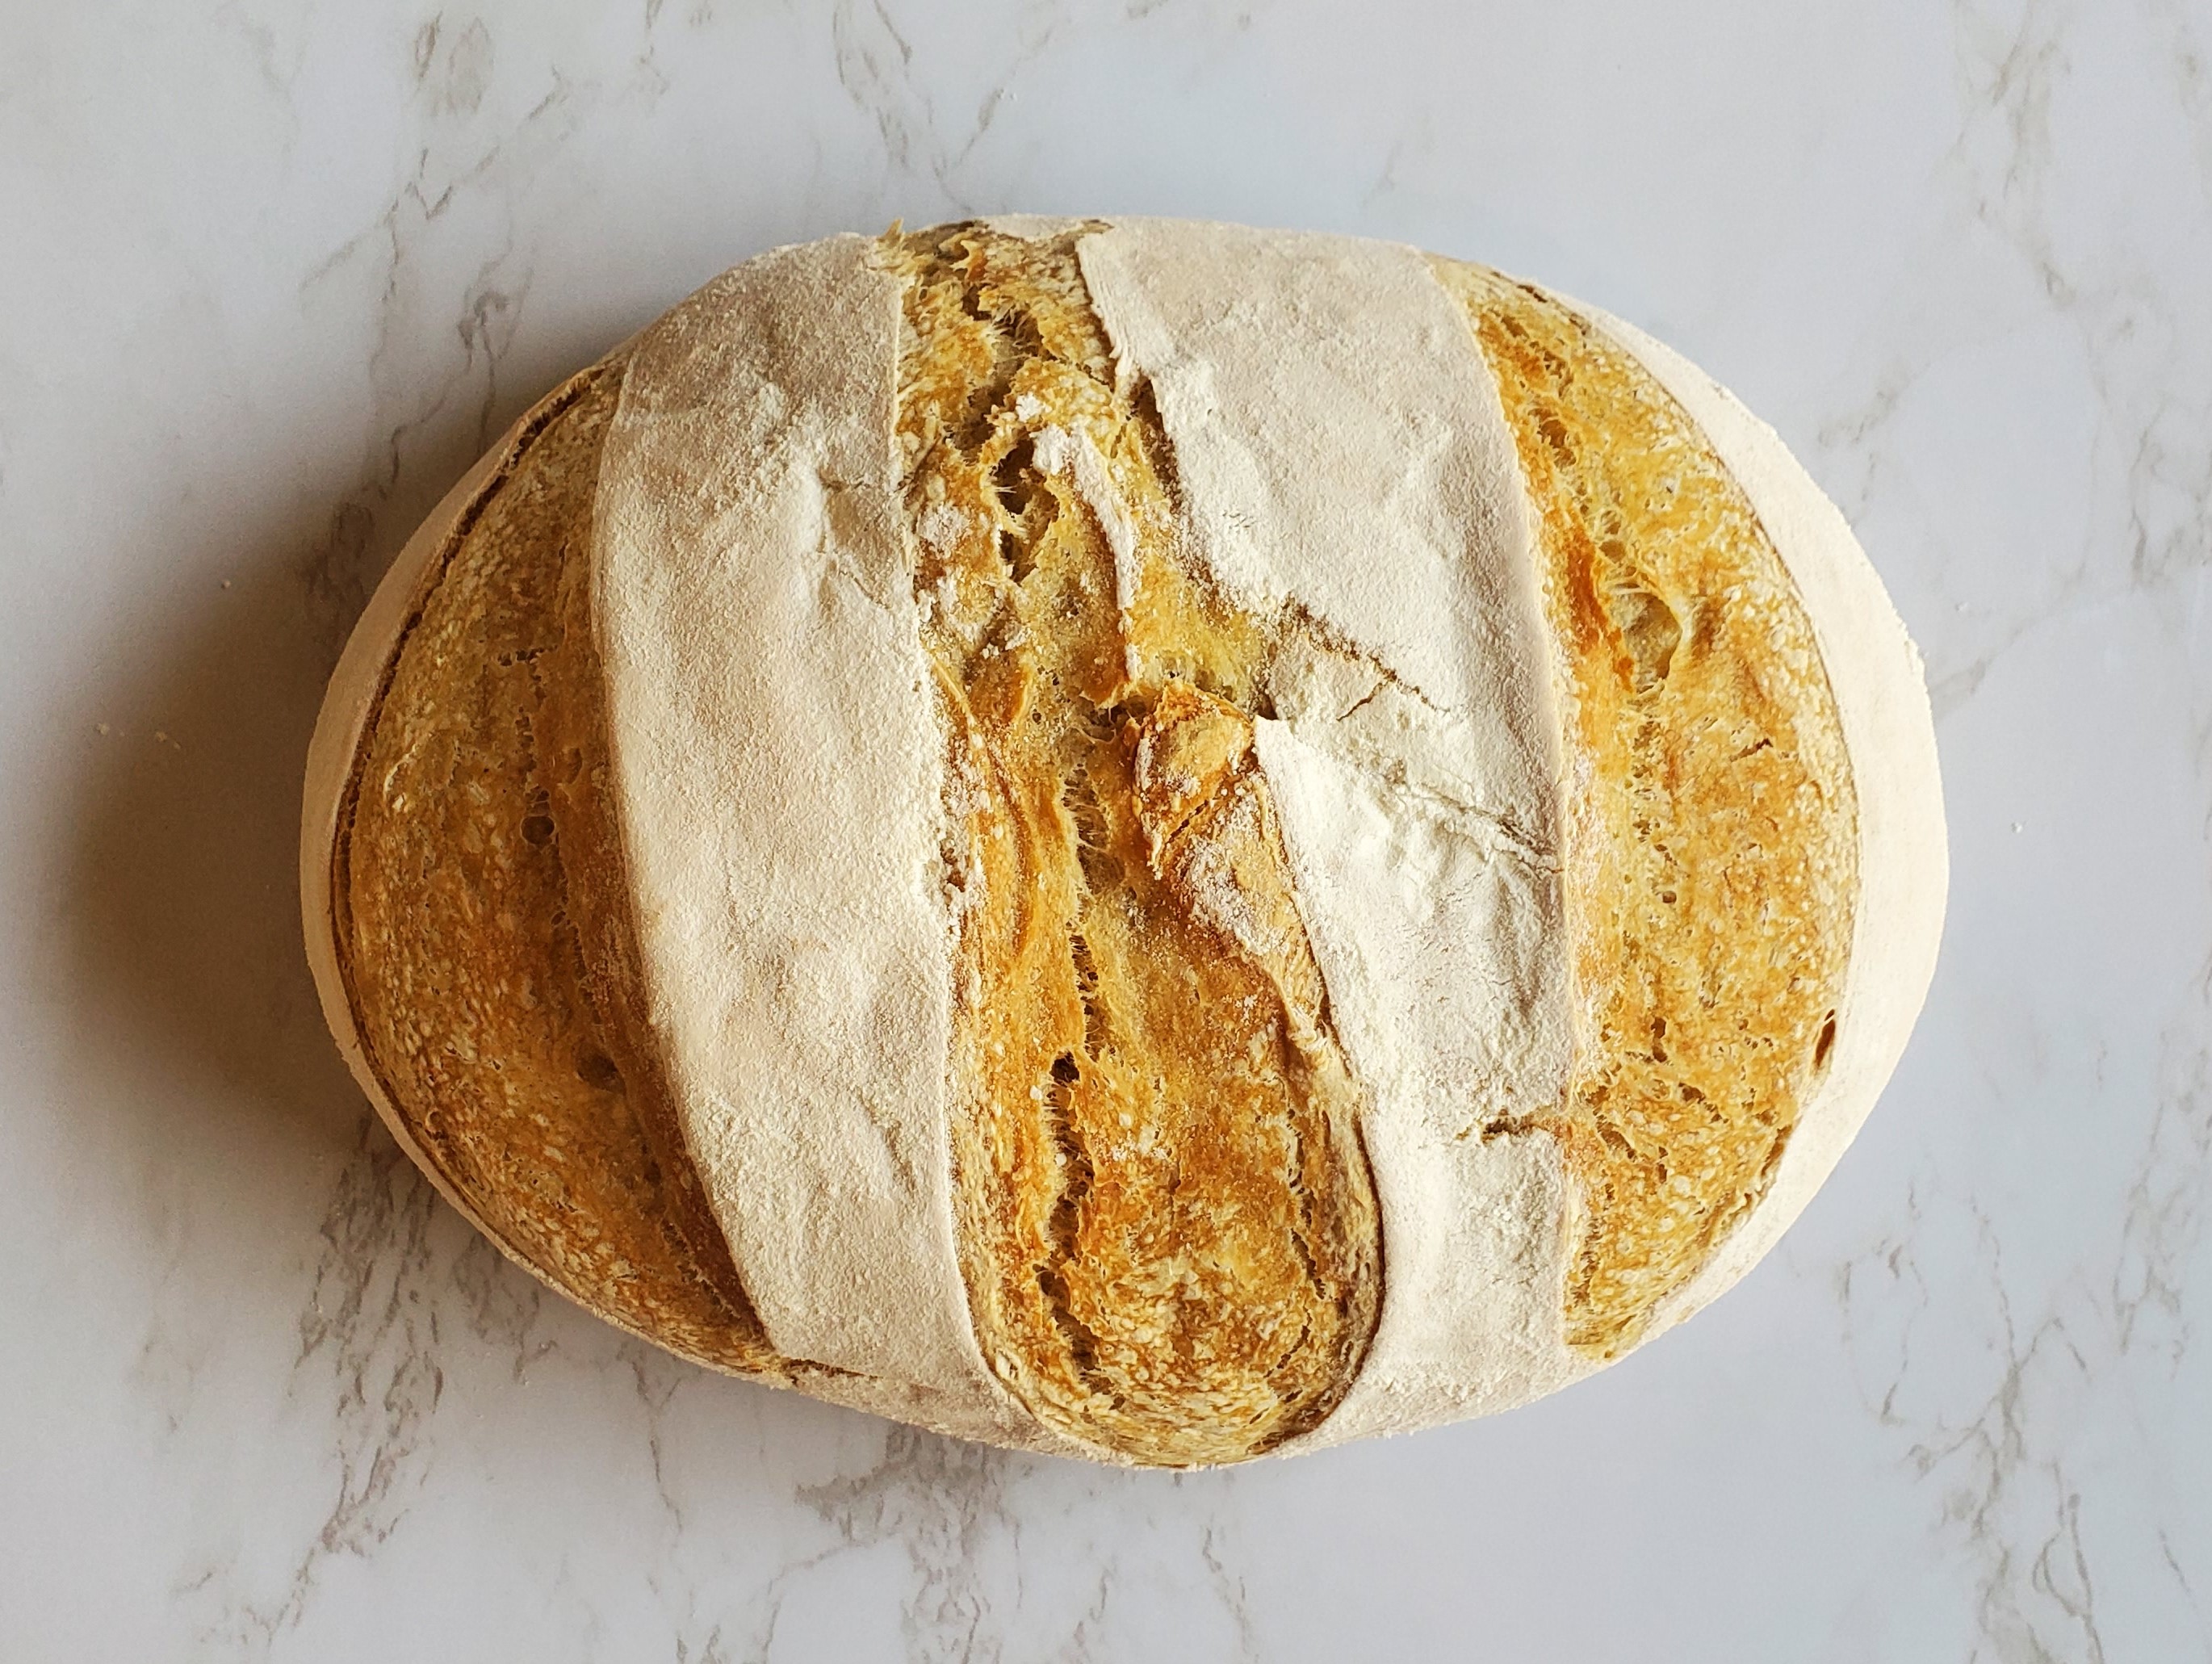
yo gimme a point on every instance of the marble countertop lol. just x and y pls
(272, 273)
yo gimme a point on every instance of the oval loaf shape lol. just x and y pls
(1145, 840)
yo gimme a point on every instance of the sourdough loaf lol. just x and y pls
(1146, 840)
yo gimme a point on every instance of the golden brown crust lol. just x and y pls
(1711, 833)
(1169, 1231)
(482, 929)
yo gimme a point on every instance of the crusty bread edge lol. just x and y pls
(1875, 676)
(350, 703)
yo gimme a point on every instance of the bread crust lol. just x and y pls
(1346, 483)
(773, 750)
(1903, 866)
(1124, 1134)
(1168, 1235)
(1712, 824)
(453, 868)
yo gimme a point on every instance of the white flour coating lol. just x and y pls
(1075, 456)
(779, 778)
(1440, 943)
(1341, 453)
(1340, 448)
(940, 527)
(1209, 878)
(1437, 939)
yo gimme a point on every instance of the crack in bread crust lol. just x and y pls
(1711, 845)
(1168, 1228)
(482, 929)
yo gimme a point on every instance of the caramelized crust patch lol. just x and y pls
(479, 917)
(1710, 834)
(1168, 1228)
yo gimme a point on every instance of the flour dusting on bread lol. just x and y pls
(1142, 840)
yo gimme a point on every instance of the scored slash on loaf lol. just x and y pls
(1145, 840)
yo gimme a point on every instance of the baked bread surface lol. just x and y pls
(1711, 835)
(473, 950)
(1169, 1235)
(1277, 1031)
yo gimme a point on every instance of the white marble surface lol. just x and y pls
(271, 272)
